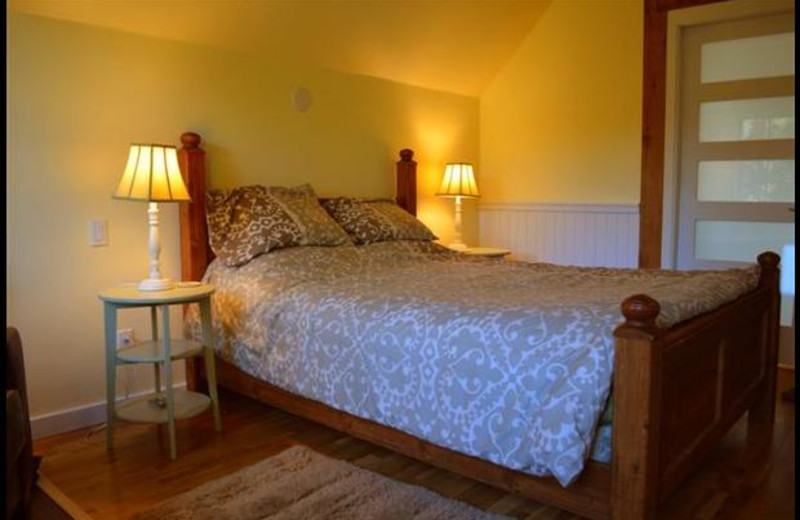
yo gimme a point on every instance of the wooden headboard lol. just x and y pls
(196, 253)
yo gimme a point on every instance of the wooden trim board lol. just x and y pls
(62, 500)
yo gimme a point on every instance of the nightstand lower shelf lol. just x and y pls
(153, 351)
(146, 410)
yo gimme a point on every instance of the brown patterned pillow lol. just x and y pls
(376, 220)
(250, 220)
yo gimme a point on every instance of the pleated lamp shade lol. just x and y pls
(458, 181)
(152, 174)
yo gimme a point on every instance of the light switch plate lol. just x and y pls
(98, 232)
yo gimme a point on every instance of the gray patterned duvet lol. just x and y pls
(507, 361)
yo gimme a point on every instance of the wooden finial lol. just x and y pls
(190, 140)
(406, 154)
(769, 261)
(640, 311)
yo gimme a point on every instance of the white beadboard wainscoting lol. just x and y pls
(567, 234)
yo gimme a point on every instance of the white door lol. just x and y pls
(736, 146)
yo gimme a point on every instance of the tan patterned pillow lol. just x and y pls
(376, 220)
(317, 227)
(248, 221)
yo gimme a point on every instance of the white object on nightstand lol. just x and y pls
(492, 252)
(162, 407)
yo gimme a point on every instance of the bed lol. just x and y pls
(680, 371)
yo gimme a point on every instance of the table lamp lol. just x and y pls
(459, 183)
(153, 174)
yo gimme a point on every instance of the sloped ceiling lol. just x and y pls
(452, 45)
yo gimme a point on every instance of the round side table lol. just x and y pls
(161, 407)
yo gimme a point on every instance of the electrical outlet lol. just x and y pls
(125, 338)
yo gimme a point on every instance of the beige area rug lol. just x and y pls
(300, 484)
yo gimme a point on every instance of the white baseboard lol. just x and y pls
(71, 419)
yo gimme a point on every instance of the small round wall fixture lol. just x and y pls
(301, 99)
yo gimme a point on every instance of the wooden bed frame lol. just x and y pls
(677, 391)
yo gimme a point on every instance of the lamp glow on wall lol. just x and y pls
(459, 183)
(153, 175)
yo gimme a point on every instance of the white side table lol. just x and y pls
(171, 404)
(491, 252)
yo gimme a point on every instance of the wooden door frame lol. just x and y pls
(663, 20)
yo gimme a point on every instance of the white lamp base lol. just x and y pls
(458, 243)
(152, 284)
(156, 282)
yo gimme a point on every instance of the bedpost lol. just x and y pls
(194, 238)
(637, 387)
(762, 414)
(407, 181)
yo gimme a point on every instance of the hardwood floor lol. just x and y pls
(737, 483)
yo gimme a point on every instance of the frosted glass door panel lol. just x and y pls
(745, 181)
(748, 58)
(737, 241)
(747, 119)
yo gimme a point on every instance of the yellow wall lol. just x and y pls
(79, 95)
(561, 122)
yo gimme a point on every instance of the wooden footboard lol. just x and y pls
(678, 391)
